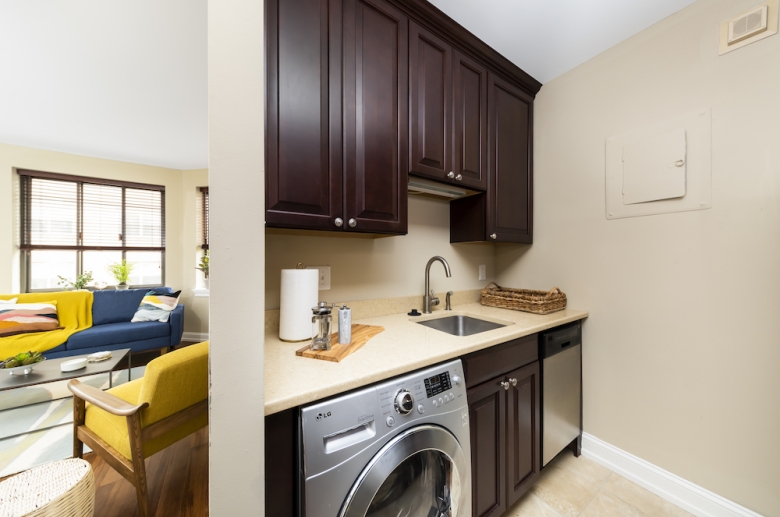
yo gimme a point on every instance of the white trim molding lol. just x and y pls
(201, 292)
(198, 337)
(681, 492)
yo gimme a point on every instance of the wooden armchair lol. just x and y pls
(130, 422)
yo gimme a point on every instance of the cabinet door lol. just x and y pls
(523, 427)
(510, 184)
(430, 79)
(487, 420)
(303, 168)
(469, 133)
(376, 116)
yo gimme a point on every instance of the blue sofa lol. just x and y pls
(112, 329)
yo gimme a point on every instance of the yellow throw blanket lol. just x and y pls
(74, 310)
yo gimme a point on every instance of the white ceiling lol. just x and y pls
(549, 37)
(126, 79)
(119, 79)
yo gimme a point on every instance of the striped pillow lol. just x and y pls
(157, 306)
(25, 318)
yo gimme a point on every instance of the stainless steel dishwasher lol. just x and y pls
(560, 351)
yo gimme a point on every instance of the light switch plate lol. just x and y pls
(324, 283)
(482, 272)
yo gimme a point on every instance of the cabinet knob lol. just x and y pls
(504, 385)
(493, 236)
(513, 381)
(459, 177)
(339, 222)
(352, 223)
(451, 175)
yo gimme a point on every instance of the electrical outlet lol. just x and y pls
(324, 276)
(483, 272)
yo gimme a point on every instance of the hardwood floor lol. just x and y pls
(177, 478)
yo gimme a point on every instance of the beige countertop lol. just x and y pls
(404, 346)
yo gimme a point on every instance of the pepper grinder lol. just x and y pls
(321, 321)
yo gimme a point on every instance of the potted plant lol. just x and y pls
(121, 272)
(203, 265)
(80, 283)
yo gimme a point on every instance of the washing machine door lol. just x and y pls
(422, 472)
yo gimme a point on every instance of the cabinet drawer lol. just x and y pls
(497, 360)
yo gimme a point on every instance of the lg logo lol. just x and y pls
(321, 416)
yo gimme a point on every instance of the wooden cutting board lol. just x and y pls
(360, 336)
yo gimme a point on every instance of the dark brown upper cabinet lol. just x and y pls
(376, 116)
(362, 93)
(510, 188)
(469, 121)
(430, 79)
(448, 95)
(505, 212)
(303, 114)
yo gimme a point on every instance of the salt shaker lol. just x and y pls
(345, 325)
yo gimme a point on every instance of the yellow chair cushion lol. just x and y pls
(171, 383)
(113, 429)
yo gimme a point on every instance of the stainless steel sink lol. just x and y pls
(461, 325)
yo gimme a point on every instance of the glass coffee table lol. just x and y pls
(49, 371)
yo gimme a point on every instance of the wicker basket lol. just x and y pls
(63, 489)
(538, 302)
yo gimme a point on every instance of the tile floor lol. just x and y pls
(578, 487)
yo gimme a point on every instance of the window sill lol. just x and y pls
(201, 292)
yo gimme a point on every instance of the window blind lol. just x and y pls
(73, 224)
(204, 217)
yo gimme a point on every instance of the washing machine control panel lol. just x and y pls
(437, 384)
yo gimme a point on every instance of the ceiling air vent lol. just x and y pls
(748, 24)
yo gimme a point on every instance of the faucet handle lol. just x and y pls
(434, 300)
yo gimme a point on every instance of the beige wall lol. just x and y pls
(179, 214)
(237, 250)
(682, 347)
(366, 268)
(196, 309)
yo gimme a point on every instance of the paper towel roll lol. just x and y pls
(299, 294)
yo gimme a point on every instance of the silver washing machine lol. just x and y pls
(399, 448)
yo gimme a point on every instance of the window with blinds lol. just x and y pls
(203, 217)
(71, 225)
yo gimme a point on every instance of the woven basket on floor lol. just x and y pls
(538, 302)
(63, 489)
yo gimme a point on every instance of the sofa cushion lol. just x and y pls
(117, 306)
(118, 333)
(157, 306)
(26, 318)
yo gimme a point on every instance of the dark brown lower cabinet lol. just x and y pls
(487, 418)
(523, 461)
(504, 417)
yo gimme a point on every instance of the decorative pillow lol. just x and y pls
(12, 300)
(25, 318)
(157, 306)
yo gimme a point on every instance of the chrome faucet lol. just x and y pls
(429, 299)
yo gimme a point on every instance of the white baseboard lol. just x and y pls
(681, 492)
(198, 337)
